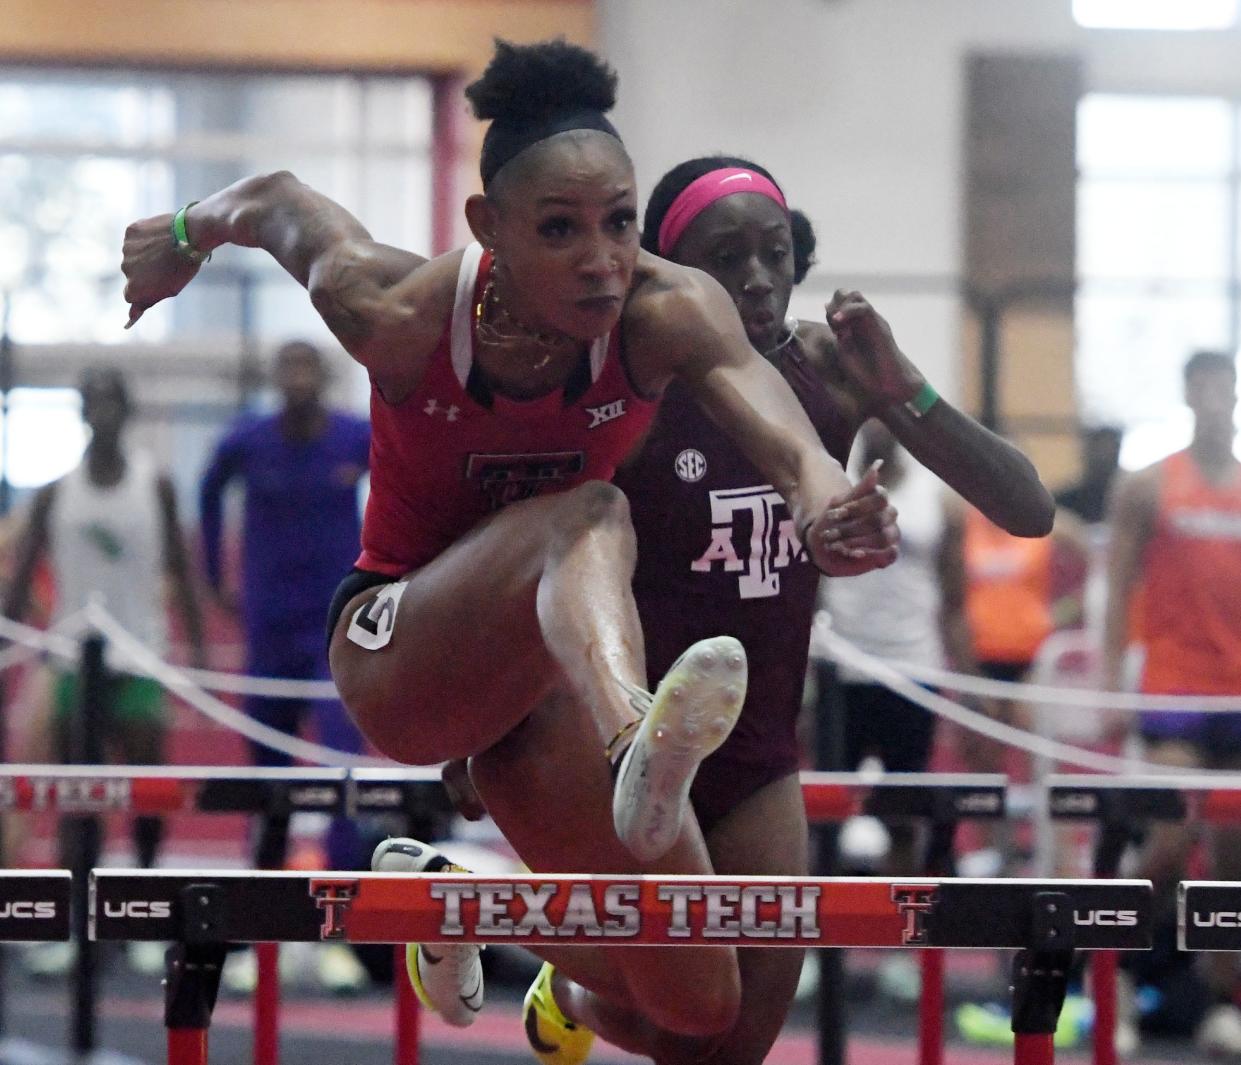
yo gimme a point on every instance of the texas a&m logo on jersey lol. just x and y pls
(510, 478)
(772, 543)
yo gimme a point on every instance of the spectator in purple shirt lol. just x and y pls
(299, 469)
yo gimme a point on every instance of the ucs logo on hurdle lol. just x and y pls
(1209, 916)
(34, 906)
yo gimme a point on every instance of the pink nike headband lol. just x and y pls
(702, 192)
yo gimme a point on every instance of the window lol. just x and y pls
(1156, 14)
(1158, 248)
(84, 153)
(42, 437)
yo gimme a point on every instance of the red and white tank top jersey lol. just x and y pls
(1191, 617)
(451, 452)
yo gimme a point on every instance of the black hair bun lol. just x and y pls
(526, 83)
(804, 243)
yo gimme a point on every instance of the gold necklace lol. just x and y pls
(489, 312)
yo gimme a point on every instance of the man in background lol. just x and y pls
(300, 470)
(108, 531)
(1176, 537)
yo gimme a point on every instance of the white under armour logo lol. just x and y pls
(605, 413)
(434, 408)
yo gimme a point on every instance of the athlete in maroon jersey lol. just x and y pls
(519, 642)
(718, 550)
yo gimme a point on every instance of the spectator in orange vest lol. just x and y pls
(1176, 538)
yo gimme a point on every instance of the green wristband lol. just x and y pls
(181, 238)
(923, 400)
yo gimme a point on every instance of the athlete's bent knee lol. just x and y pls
(596, 503)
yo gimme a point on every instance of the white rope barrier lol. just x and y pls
(176, 681)
(844, 653)
(267, 687)
(1021, 691)
(1132, 702)
(18, 654)
(60, 640)
(904, 678)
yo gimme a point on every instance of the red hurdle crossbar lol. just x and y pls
(1045, 920)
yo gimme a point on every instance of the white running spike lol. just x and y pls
(451, 975)
(691, 713)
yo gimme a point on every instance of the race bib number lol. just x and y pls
(372, 625)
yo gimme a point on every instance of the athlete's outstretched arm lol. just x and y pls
(691, 330)
(982, 467)
(319, 243)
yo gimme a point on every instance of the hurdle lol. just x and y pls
(1122, 807)
(86, 792)
(201, 911)
(940, 801)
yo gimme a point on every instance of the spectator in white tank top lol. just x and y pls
(911, 612)
(109, 530)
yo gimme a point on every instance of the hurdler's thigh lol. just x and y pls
(443, 662)
(477, 596)
(431, 694)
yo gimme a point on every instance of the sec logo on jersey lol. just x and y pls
(690, 465)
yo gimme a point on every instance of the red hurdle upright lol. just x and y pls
(938, 800)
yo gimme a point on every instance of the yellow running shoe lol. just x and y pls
(554, 1039)
(447, 978)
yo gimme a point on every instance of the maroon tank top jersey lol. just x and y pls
(452, 452)
(718, 555)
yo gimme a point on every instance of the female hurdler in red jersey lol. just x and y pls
(511, 634)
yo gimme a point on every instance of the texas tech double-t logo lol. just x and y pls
(510, 478)
(773, 543)
(334, 896)
(913, 903)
